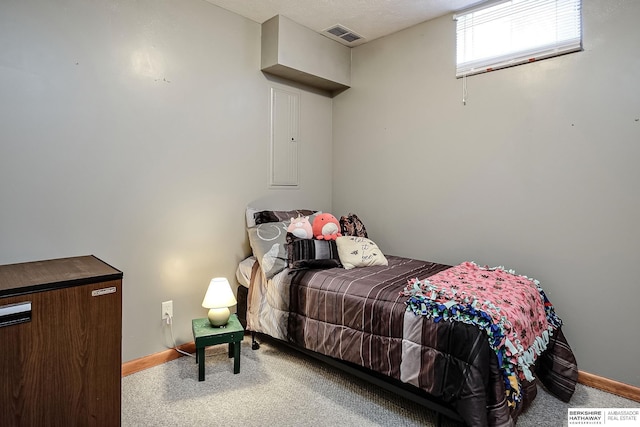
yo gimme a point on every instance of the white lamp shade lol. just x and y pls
(219, 294)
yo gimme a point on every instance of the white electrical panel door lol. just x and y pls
(285, 117)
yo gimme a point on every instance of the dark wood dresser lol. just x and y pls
(60, 343)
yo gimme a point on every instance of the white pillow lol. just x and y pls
(275, 215)
(359, 252)
(249, 214)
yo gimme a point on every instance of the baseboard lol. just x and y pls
(610, 386)
(156, 359)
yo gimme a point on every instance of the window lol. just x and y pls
(506, 33)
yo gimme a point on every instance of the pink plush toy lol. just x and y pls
(326, 226)
(300, 227)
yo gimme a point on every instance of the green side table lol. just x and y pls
(206, 335)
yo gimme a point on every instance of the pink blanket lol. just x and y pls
(519, 328)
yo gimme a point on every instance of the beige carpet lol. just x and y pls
(278, 386)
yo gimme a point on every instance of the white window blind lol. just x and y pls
(507, 33)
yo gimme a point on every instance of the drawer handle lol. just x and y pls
(14, 314)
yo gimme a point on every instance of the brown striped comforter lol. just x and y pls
(359, 316)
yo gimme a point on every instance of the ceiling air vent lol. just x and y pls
(342, 33)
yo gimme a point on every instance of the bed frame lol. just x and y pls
(405, 391)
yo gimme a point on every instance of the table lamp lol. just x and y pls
(218, 299)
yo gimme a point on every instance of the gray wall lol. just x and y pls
(538, 172)
(138, 131)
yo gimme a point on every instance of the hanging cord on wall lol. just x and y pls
(464, 89)
(175, 346)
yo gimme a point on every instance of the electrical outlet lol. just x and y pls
(167, 310)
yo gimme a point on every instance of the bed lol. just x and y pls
(469, 341)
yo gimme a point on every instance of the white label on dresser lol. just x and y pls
(103, 291)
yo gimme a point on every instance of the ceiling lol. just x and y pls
(369, 19)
